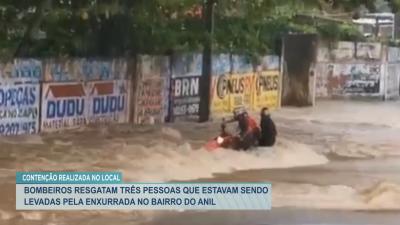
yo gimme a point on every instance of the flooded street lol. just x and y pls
(336, 163)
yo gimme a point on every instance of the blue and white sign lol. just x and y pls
(81, 69)
(19, 109)
(22, 71)
(108, 101)
(64, 106)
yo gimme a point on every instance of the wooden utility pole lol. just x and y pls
(205, 80)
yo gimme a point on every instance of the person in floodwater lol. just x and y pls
(268, 129)
(249, 132)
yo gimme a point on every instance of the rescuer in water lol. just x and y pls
(249, 132)
(268, 129)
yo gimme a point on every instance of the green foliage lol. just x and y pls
(44, 28)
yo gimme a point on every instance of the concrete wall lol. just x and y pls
(53, 95)
(366, 70)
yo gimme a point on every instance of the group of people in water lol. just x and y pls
(250, 133)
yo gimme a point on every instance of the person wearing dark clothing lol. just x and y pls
(268, 129)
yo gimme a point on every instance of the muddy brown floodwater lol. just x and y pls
(336, 163)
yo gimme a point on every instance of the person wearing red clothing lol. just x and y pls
(249, 132)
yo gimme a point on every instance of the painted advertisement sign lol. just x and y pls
(64, 106)
(185, 95)
(251, 90)
(239, 89)
(359, 78)
(21, 70)
(349, 79)
(220, 101)
(185, 84)
(152, 93)
(61, 71)
(108, 101)
(150, 101)
(19, 109)
(70, 70)
(230, 91)
(266, 92)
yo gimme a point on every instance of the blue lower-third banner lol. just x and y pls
(137, 196)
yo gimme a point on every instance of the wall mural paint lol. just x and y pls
(21, 70)
(251, 90)
(64, 106)
(108, 101)
(70, 70)
(20, 96)
(185, 95)
(185, 84)
(266, 90)
(19, 109)
(363, 79)
(150, 101)
(69, 105)
(153, 87)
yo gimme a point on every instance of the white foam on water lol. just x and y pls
(181, 162)
(383, 196)
(164, 156)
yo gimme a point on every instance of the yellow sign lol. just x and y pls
(266, 93)
(220, 102)
(252, 90)
(240, 90)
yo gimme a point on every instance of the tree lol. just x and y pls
(126, 27)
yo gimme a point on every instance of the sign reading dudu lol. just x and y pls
(64, 106)
(108, 101)
(71, 105)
